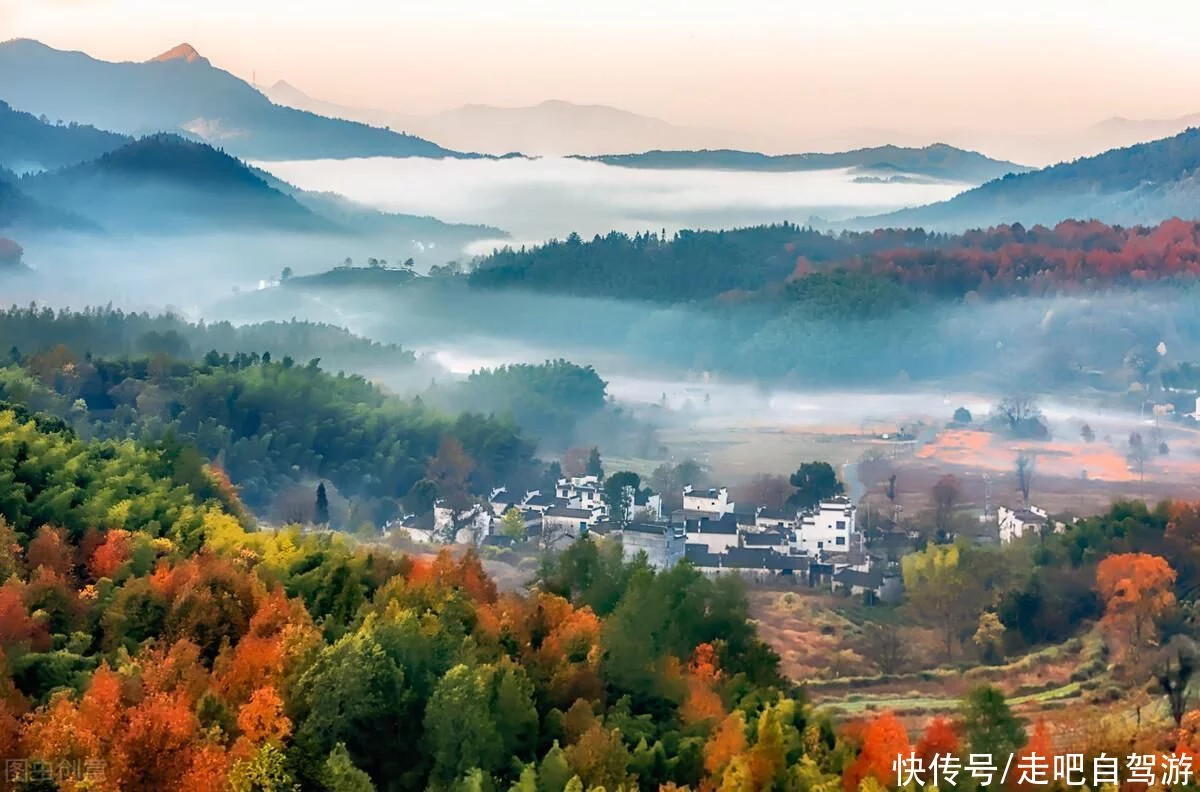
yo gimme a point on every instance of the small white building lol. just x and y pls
(566, 521)
(828, 528)
(641, 505)
(580, 492)
(662, 543)
(710, 501)
(1015, 523)
(716, 535)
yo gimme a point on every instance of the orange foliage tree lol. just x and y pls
(940, 739)
(884, 738)
(1136, 588)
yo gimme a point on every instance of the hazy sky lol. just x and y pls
(776, 65)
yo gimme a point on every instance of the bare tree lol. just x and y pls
(946, 494)
(1138, 454)
(294, 505)
(1087, 433)
(883, 645)
(1024, 475)
(1173, 672)
(1016, 410)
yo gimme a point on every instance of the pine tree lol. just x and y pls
(321, 515)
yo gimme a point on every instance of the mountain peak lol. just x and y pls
(184, 52)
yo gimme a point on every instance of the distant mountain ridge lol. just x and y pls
(1142, 184)
(550, 128)
(181, 91)
(938, 161)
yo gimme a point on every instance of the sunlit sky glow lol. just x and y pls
(778, 65)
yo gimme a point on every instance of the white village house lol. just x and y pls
(1015, 523)
(828, 528)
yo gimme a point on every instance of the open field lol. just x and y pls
(818, 638)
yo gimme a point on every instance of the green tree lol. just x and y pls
(814, 482)
(554, 773)
(945, 590)
(342, 776)
(266, 771)
(594, 466)
(989, 725)
(460, 731)
(512, 524)
(351, 693)
(618, 491)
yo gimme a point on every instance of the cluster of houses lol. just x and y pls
(822, 545)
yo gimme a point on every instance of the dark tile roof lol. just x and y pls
(777, 514)
(746, 558)
(542, 500)
(791, 563)
(698, 555)
(744, 518)
(764, 539)
(726, 524)
(649, 528)
(852, 577)
(563, 511)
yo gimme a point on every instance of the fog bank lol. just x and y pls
(551, 197)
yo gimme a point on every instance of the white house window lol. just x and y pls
(841, 525)
(841, 540)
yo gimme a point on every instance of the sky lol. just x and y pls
(784, 66)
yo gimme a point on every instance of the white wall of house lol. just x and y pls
(829, 528)
(764, 523)
(1015, 523)
(715, 542)
(663, 549)
(713, 501)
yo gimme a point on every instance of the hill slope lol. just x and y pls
(937, 161)
(27, 143)
(182, 91)
(164, 183)
(1142, 184)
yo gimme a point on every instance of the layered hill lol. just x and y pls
(168, 183)
(28, 143)
(937, 161)
(1142, 184)
(181, 91)
(164, 183)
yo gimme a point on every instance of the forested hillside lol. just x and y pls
(153, 642)
(109, 332)
(164, 183)
(550, 399)
(691, 265)
(28, 143)
(935, 161)
(1142, 184)
(273, 425)
(1002, 261)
